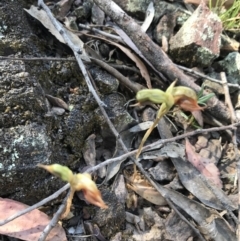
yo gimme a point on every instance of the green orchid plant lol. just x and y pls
(80, 181)
(184, 97)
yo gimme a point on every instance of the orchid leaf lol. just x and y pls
(203, 99)
(200, 93)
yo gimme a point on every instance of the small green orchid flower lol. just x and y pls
(80, 181)
(184, 97)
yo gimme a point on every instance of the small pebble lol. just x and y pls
(58, 111)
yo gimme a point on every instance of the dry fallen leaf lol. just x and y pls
(140, 64)
(29, 226)
(204, 165)
(145, 190)
(149, 17)
(41, 16)
(57, 102)
(198, 117)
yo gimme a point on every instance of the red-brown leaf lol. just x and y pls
(29, 226)
(204, 165)
(187, 103)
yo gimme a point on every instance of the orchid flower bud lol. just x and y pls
(60, 171)
(186, 98)
(77, 182)
(90, 190)
(154, 95)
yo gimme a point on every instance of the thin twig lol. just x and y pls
(206, 76)
(109, 67)
(237, 158)
(95, 30)
(117, 159)
(35, 206)
(135, 87)
(228, 101)
(162, 142)
(76, 50)
(209, 119)
(135, 70)
(165, 194)
(54, 220)
(220, 195)
(234, 141)
(39, 59)
(170, 203)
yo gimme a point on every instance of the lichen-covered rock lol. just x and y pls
(22, 98)
(197, 43)
(80, 122)
(21, 149)
(104, 81)
(30, 131)
(26, 136)
(117, 113)
(231, 65)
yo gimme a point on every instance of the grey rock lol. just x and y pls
(84, 11)
(231, 65)
(110, 220)
(106, 83)
(197, 43)
(22, 148)
(58, 111)
(163, 171)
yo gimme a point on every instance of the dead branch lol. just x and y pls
(54, 220)
(206, 76)
(228, 101)
(156, 56)
(135, 87)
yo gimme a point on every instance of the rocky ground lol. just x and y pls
(185, 184)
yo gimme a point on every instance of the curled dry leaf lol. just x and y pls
(204, 165)
(57, 102)
(137, 60)
(141, 126)
(42, 16)
(30, 225)
(198, 117)
(140, 64)
(145, 190)
(149, 17)
(89, 151)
